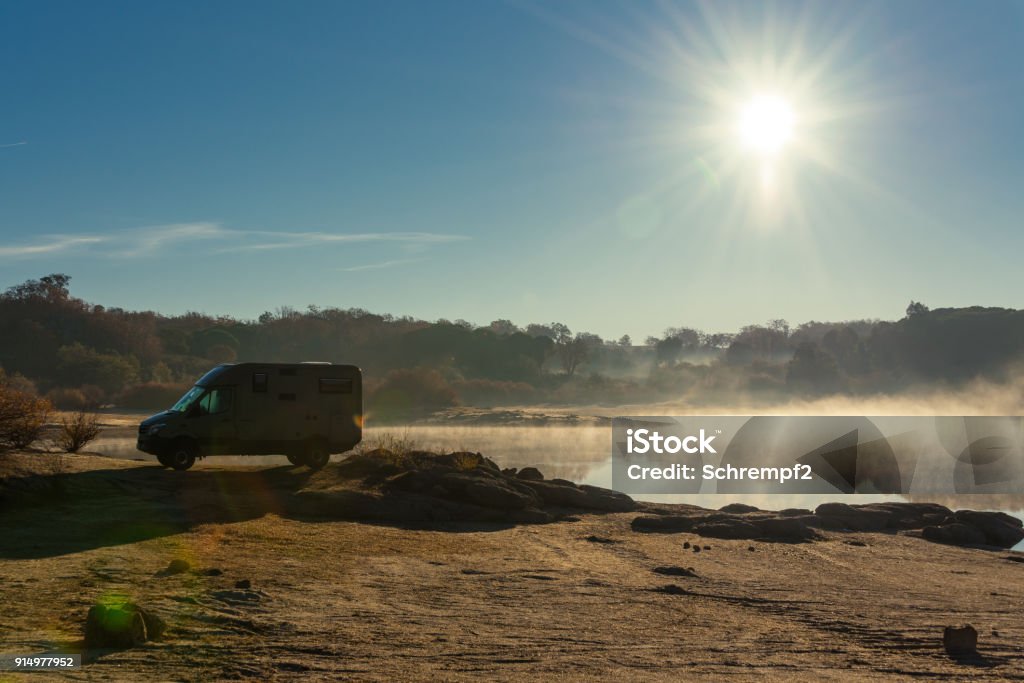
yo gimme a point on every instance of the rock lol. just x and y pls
(784, 529)
(121, 625)
(855, 519)
(561, 496)
(707, 547)
(954, 534)
(696, 548)
(243, 584)
(671, 589)
(674, 571)
(177, 567)
(607, 500)
(960, 640)
(794, 512)
(856, 543)
(999, 528)
(600, 539)
(738, 508)
(665, 524)
(908, 515)
(213, 571)
(730, 529)
(530, 474)
(494, 494)
(686, 545)
(751, 548)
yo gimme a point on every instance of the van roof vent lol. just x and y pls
(315, 362)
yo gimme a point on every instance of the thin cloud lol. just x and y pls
(14, 144)
(295, 240)
(379, 266)
(54, 244)
(146, 241)
(152, 240)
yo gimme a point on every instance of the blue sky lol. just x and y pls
(569, 161)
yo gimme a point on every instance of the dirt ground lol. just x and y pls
(572, 600)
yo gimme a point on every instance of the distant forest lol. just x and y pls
(84, 355)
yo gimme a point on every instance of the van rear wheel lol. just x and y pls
(316, 456)
(182, 456)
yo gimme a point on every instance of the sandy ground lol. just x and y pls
(572, 600)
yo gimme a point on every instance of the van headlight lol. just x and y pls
(153, 429)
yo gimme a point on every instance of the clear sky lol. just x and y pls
(584, 162)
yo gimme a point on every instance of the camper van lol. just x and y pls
(305, 411)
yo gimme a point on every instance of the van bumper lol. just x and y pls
(153, 445)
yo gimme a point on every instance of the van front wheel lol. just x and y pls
(317, 456)
(296, 459)
(182, 456)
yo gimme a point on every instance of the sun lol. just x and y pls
(766, 124)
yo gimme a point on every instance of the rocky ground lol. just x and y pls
(414, 566)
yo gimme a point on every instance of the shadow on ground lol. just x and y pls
(48, 515)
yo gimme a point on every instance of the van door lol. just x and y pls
(214, 423)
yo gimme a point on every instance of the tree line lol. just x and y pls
(80, 354)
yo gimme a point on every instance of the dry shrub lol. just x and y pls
(23, 417)
(78, 431)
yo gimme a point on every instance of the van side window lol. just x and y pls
(259, 382)
(215, 401)
(335, 386)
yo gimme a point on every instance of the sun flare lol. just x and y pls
(766, 124)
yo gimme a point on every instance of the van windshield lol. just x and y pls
(186, 401)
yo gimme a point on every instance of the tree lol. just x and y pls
(916, 308)
(573, 351)
(812, 371)
(53, 287)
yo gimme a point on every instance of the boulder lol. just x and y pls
(530, 474)
(606, 500)
(121, 625)
(854, 518)
(954, 534)
(176, 567)
(732, 529)
(738, 508)
(999, 528)
(560, 496)
(960, 640)
(785, 529)
(494, 494)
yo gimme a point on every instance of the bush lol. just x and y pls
(67, 399)
(151, 395)
(22, 418)
(410, 392)
(78, 431)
